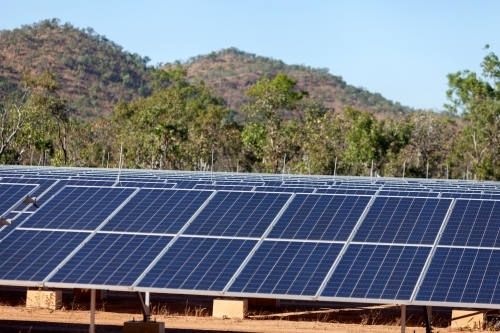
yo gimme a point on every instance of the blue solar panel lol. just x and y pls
(403, 220)
(223, 187)
(473, 223)
(59, 185)
(240, 214)
(145, 184)
(43, 184)
(471, 196)
(409, 194)
(377, 272)
(188, 184)
(462, 275)
(111, 259)
(157, 211)
(320, 217)
(287, 268)
(78, 208)
(32, 255)
(345, 191)
(198, 264)
(11, 195)
(284, 189)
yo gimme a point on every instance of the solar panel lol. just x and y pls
(198, 264)
(223, 187)
(44, 184)
(320, 217)
(403, 220)
(60, 184)
(111, 259)
(462, 275)
(78, 208)
(473, 223)
(238, 214)
(30, 255)
(145, 184)
(377, 272)
(286, 268)
(409, 194)
(157, 211)
(12, 195)
(287, 189)
(346, 191)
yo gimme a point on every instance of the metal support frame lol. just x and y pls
(144, 308)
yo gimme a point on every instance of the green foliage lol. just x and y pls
(478, 99)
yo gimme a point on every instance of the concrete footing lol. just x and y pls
(230, 308)
(143, 327)
(45, 299)
(467, 319)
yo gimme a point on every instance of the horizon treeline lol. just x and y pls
(184, 126)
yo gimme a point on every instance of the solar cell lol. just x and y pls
(30, 255)
(78, 208)
(198, 264)
(377, 272)
(403, 220)
(157, 211)
(111, 259)
(239, 214)
(286, 268)
(462, 275)
(473, 223)
(320, 217)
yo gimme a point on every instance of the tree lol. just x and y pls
(477, 99)
(29, 115)
(272, 99)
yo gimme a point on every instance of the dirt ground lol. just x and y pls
(192, 314)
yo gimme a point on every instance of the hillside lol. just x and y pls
(231, 72)
(93, 72)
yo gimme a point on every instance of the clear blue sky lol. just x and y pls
(401, 49)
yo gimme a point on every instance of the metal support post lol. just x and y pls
(92, 311)
(146, 301)
(145, 309)
(403, 318)
(428, 328)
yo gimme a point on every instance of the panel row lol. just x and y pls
(279, 268)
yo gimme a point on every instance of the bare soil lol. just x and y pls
(190, 314)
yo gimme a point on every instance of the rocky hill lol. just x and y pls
(231, 72)
(93, 72)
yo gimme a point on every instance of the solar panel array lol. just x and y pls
(380, 240)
